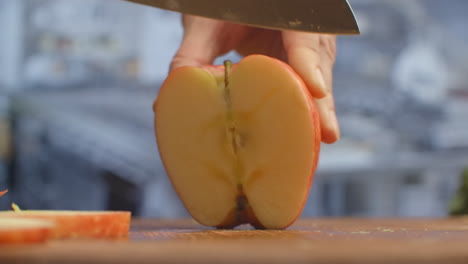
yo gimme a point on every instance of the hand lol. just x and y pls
(311, 55)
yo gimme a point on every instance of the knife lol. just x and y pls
(320, 16)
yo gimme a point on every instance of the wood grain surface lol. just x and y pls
(307, 241)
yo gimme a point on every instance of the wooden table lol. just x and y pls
(307, 241)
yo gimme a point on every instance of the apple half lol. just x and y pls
(240, 143)
(18, 230)
(111, 225)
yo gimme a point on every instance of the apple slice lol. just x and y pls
(81, 224)
(240, 145)
(18, 230)
(3, 192)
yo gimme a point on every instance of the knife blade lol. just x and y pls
(320, 16)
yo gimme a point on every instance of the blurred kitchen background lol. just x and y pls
(77, 81)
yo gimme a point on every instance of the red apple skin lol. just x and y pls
(108, 225)
(31, 236)
(3, 192)
(17, 230)
(218, 72)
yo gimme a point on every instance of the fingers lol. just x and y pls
(199, 45)
(329, 127)
(205, 39)
(304, 55)
(312, 56)
(262, 41)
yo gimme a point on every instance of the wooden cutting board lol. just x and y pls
(307, 241)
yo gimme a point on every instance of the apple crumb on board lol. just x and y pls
(15, 207)
(295, 23)
(361, 232)
(385, 229)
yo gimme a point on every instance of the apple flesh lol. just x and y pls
(111, 225)
(240, 145)
(18, 230)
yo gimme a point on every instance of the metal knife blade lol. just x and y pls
(321, 16)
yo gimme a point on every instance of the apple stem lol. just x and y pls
(227, 96)
(227, 91)
(231, 125)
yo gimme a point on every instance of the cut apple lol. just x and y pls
(81, 224)
(18, 230)
(3, 192)
(240, 144)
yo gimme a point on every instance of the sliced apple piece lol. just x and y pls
(81, 224)
(240, 145)
(19, 230)
(3, 192)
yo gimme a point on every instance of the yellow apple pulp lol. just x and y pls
(240, 145)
